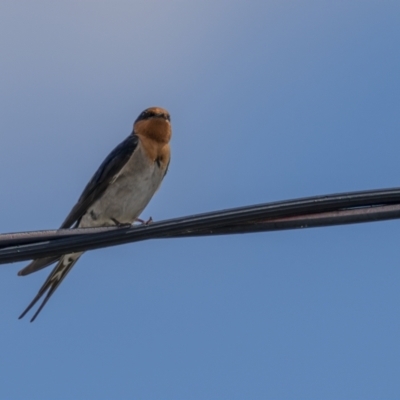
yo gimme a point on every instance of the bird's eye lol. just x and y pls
(145, 115)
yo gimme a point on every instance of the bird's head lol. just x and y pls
(154, 123)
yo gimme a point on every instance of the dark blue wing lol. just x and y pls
(110, 167)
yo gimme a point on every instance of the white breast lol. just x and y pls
(128, 195)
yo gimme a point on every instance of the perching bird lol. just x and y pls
(118, 192)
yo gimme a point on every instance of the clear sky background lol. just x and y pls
(270, 100)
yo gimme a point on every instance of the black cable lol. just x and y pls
(337, 209)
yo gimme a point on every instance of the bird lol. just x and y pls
(117, 193)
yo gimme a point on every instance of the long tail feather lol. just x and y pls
(58, 274)
(37, 265)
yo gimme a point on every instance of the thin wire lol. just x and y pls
(316, 211)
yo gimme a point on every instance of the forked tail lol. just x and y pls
(56, 276)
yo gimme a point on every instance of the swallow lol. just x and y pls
(117, 193)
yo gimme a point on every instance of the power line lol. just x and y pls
(316, 211)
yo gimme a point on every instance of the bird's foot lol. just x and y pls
(120, 224)
(143, 222)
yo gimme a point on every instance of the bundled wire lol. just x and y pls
(317, 211)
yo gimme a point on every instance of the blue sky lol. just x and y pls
(270, 100)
